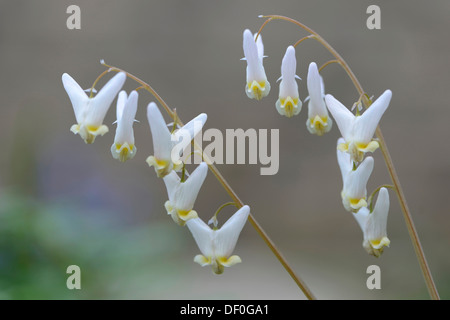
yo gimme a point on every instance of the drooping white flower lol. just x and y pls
(373, 224)
(358, 130)
(164, 141)
(123, 147)
(354, 191)
(318, 120)
(90, 112)
(217, 245)
(288, 103)
(257, 86)
(182, 195)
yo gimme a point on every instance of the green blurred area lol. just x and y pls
(39, 242)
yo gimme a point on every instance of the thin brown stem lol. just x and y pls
(387, 157)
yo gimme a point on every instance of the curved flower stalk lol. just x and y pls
(163, 160)
(123, 147)
(318, 121)
(373, 224)
(182, 194)
(288, 103)
(257, 86)
(358, 130)
(90, 112)
(354, 191)
(217, 245)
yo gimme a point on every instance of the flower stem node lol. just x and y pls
(257, 86)
(318, 121)
(358, 130)
(123, 147)
(90, 112)
(217, 245)
(288, 103)
(373, 224)
(182, 195)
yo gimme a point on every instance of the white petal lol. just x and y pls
(362, 216)
(259, 46)
(77, 96)
(366, 124)
(102, 101)
(172, 182)
(121, 101)
(289, 65)
(202, 234)
(356, 181)
(376, 225)
(343, 117)
(192, 128)
(288, 85)
(124, 132)
(162, 144)
(187, 193)
(315, 90)
(344, 161)
(255, 69)
(226, 237)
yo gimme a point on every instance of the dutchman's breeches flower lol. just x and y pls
(288, 103)
(90, 112)
(373, 224)
(164, 160)
(358, 130)
(257, 86)
(123, 147)
(217, 245)
(354, 191)
(182, 194)
(318, 120)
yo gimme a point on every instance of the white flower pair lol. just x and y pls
(90, 113)
(216, 245)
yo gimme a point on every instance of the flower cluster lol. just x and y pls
(215, 244)
(357, 133)
(289, 103)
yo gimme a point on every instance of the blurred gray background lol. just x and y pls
(64, 202)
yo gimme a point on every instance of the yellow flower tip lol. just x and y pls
(162, 167)
(368, 147)
(89, 133)
(319, 126)
(343, 147)
(356, 204)
(289, 106)
(202, 260)
(123, 152)
(186, 215)
(376, 247)
(231, 261)
(257, 90)
(380, 243)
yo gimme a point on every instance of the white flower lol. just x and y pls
(164, 141)
(288, 103)
(90, 112)
(257, 86)
(373, 224)
(318, 120)
(354, 190)
(123, 147)
(182, 195)
(217, 245)
(358, 130)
